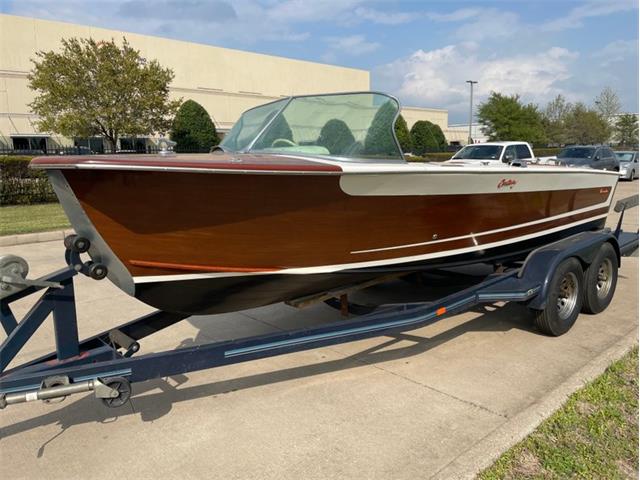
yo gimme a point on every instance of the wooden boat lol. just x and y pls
(308, 194)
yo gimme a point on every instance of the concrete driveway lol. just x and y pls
(438, 402)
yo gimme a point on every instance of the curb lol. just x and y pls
(22, 239)
(487, 450)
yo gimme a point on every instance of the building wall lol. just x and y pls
(459, 134)
(225, 82)
(434, 115)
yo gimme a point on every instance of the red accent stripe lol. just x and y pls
(198, 268)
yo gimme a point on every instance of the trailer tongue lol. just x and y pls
(557, 282)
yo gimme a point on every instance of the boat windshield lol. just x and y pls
(353, 126)
(479, 152)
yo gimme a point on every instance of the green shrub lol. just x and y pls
(192, 128)
(427, 137)
(402, 134)
(21, 185)
(379, 141)
(336, 137)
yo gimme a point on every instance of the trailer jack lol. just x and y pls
(113, 392)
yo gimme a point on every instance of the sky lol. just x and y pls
(421, 51)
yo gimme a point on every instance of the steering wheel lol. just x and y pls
(283, 142)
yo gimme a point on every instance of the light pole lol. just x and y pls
(470, 82)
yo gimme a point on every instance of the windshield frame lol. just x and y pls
(258, 136)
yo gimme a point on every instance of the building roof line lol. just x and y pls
(248, 52)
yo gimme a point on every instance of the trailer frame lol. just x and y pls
(107, 363)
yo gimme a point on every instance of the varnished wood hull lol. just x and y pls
(214, 241)
(227, 294)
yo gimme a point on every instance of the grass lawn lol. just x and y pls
(32, 218)
(594, 435)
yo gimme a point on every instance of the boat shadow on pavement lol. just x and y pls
(154, 399)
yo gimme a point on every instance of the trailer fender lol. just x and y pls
(542, 263)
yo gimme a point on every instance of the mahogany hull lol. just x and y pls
(213, 241)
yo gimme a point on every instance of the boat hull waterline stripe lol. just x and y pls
(376, 263)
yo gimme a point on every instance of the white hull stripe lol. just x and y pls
(474, 236)
(469, 182)
(357, 265)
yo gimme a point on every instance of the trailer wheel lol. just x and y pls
(600, 280)
(564, 299)
(123, 386)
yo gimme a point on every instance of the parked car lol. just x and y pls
(628, 165)
(599, 157)
(495, 153)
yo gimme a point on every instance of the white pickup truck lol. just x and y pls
(517, 154)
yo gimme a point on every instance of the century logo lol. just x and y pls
(507, 182)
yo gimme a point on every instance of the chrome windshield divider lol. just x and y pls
(264, 129)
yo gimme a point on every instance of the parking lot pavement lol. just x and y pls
(433, 402)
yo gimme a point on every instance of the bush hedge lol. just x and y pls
(21, 185)
(427, 137)
(193, 129)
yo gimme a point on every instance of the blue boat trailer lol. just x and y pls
(556, 281)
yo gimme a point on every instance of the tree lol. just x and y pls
(427, 137)
(554, 118)
(192, 128)
(607, 103)
(402, 134)
(626, 130)
(100, 88)
(586, 126)
(379, 140)
(505, 118)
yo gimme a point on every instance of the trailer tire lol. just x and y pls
(600, 280)
(564, 299)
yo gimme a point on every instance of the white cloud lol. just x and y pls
(617, 51)
(455, 16)
(490, 23)
(592, 8)
(384, 18)
(436, 78)
(352, 45)
(289, 11)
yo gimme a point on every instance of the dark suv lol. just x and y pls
(589, 156)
